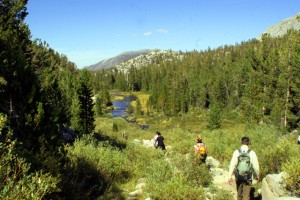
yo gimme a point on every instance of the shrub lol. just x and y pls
(274, 157)
(107, 160)
(16, 182)
(177, 177)
(193, 172)
(292, 181)
(94, 168)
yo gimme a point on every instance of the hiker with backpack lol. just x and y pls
(159, 141)
(243, 163)
(200, 150)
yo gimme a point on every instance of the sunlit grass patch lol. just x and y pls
(143, 98)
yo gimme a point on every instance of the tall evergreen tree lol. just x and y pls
(18, 93)
(86, 111)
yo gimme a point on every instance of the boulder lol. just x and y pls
(148, 143)
(272, 188)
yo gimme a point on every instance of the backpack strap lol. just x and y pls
(240, 150)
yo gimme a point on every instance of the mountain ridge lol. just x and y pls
(122, 61)
(111, 62)
(279, 29)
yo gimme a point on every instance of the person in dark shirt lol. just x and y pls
(160, 141)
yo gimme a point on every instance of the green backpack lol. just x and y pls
(243, 171)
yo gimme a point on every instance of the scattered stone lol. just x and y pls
(136, 193)
(212, 162)
(217, 171)
(148, 144)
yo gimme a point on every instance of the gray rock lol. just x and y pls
(212, 162)
(282, 27)
(272, 188)
(217, 171)
(148, 143)
(275, 183)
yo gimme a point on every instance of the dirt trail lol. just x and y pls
(221, 181)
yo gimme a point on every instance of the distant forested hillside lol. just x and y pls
(258, 79)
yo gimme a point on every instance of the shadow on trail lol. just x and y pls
(253, 195)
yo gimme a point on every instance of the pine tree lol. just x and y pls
(19, 86)
(86, 110)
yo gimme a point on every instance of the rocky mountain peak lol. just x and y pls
(282, 27)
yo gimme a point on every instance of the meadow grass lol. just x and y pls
(165, 173)
(272, 147)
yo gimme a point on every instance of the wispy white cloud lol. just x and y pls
(161, 30)
(148, 33)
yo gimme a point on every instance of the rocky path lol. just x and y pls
(220, 181)
(220, 176)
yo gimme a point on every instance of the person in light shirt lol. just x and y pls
(243, 186)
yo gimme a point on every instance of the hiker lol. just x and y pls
(243, 163)
(124, 135)
(159, 141)
(200, 149)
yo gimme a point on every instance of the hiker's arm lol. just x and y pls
(233, 163)
(195, 149)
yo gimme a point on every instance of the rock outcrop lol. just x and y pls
(272, 188)
(282, 27)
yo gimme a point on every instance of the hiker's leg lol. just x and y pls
(239, 189)
(246, 191)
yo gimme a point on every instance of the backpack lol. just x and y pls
(201, 149)
(243, 170)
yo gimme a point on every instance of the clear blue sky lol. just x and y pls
(88, 31)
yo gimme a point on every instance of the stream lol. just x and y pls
(121, 106)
